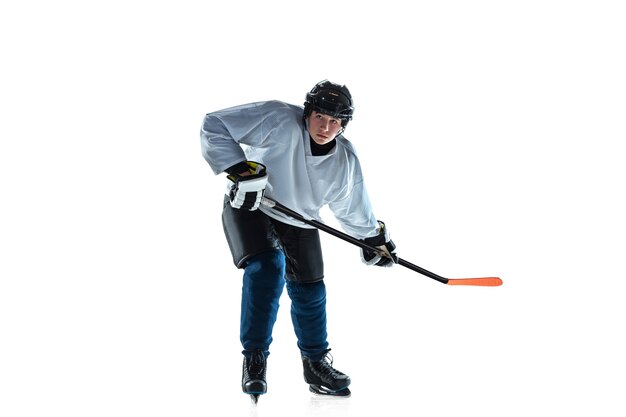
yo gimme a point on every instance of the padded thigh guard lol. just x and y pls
(248, 233)
(303, 251)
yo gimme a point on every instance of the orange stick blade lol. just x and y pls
(483, 282)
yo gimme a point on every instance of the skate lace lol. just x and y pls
(325, 366)
(256, 363)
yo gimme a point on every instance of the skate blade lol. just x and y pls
(323, 391)
(254, 395)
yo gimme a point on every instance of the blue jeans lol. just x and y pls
(263, 283)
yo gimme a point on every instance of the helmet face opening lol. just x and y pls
(331, 99)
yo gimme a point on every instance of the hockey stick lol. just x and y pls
(483, 282)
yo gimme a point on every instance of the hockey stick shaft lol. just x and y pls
(485, 281)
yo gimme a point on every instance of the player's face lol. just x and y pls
(323, 128)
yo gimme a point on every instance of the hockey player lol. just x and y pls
(299, 157)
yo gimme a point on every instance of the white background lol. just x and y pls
(490, 136)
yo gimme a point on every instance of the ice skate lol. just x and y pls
(253, 375)
(323, 379)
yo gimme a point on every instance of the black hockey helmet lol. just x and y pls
(331, 99)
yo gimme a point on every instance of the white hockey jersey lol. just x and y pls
(274, 134)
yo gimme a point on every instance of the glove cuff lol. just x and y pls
(381, 238)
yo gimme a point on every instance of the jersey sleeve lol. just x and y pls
(224, 131)
(352, 208)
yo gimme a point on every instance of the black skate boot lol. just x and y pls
(253, 375)
(323, 379)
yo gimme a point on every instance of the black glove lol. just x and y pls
(386, 256)
(246, 190)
